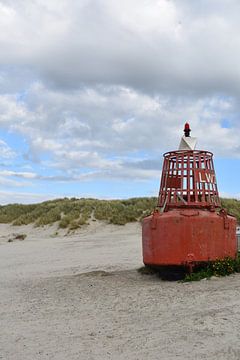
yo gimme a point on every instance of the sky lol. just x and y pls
(93, 92)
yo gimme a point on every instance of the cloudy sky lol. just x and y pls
(92, 92)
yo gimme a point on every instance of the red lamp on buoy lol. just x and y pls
(187, 130)
(188, 226)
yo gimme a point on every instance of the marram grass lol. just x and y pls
(74, 213)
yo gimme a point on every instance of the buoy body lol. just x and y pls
(183, 237)
(188, 226)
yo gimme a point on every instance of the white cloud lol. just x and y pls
(7, 197)
(169, 46)
(24, 175)
(11, 109)
(86, 131)
(5, 181)
(5, 151)
(99, 89)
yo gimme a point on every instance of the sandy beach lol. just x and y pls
(79, 296)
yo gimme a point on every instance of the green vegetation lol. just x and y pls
(73, 213)
(218, 268)
(232, 206)
(221, 267)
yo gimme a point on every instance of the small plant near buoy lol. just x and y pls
(218, 268)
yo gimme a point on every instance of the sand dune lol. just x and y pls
(80, 297)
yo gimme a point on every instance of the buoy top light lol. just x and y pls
(187, 130)
(187, 142)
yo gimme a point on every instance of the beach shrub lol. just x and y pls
(49, 217)
(64, 222)
(232, 206)
(68, 210)
(220, 267)
(8, 213)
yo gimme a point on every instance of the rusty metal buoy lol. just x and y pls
(188, 225)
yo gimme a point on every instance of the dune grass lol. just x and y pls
(232, 206)
(74, 213)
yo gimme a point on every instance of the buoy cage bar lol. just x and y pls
(188, 180)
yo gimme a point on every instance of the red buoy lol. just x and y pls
(188, 226)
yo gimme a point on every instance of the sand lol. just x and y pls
(79, 296)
